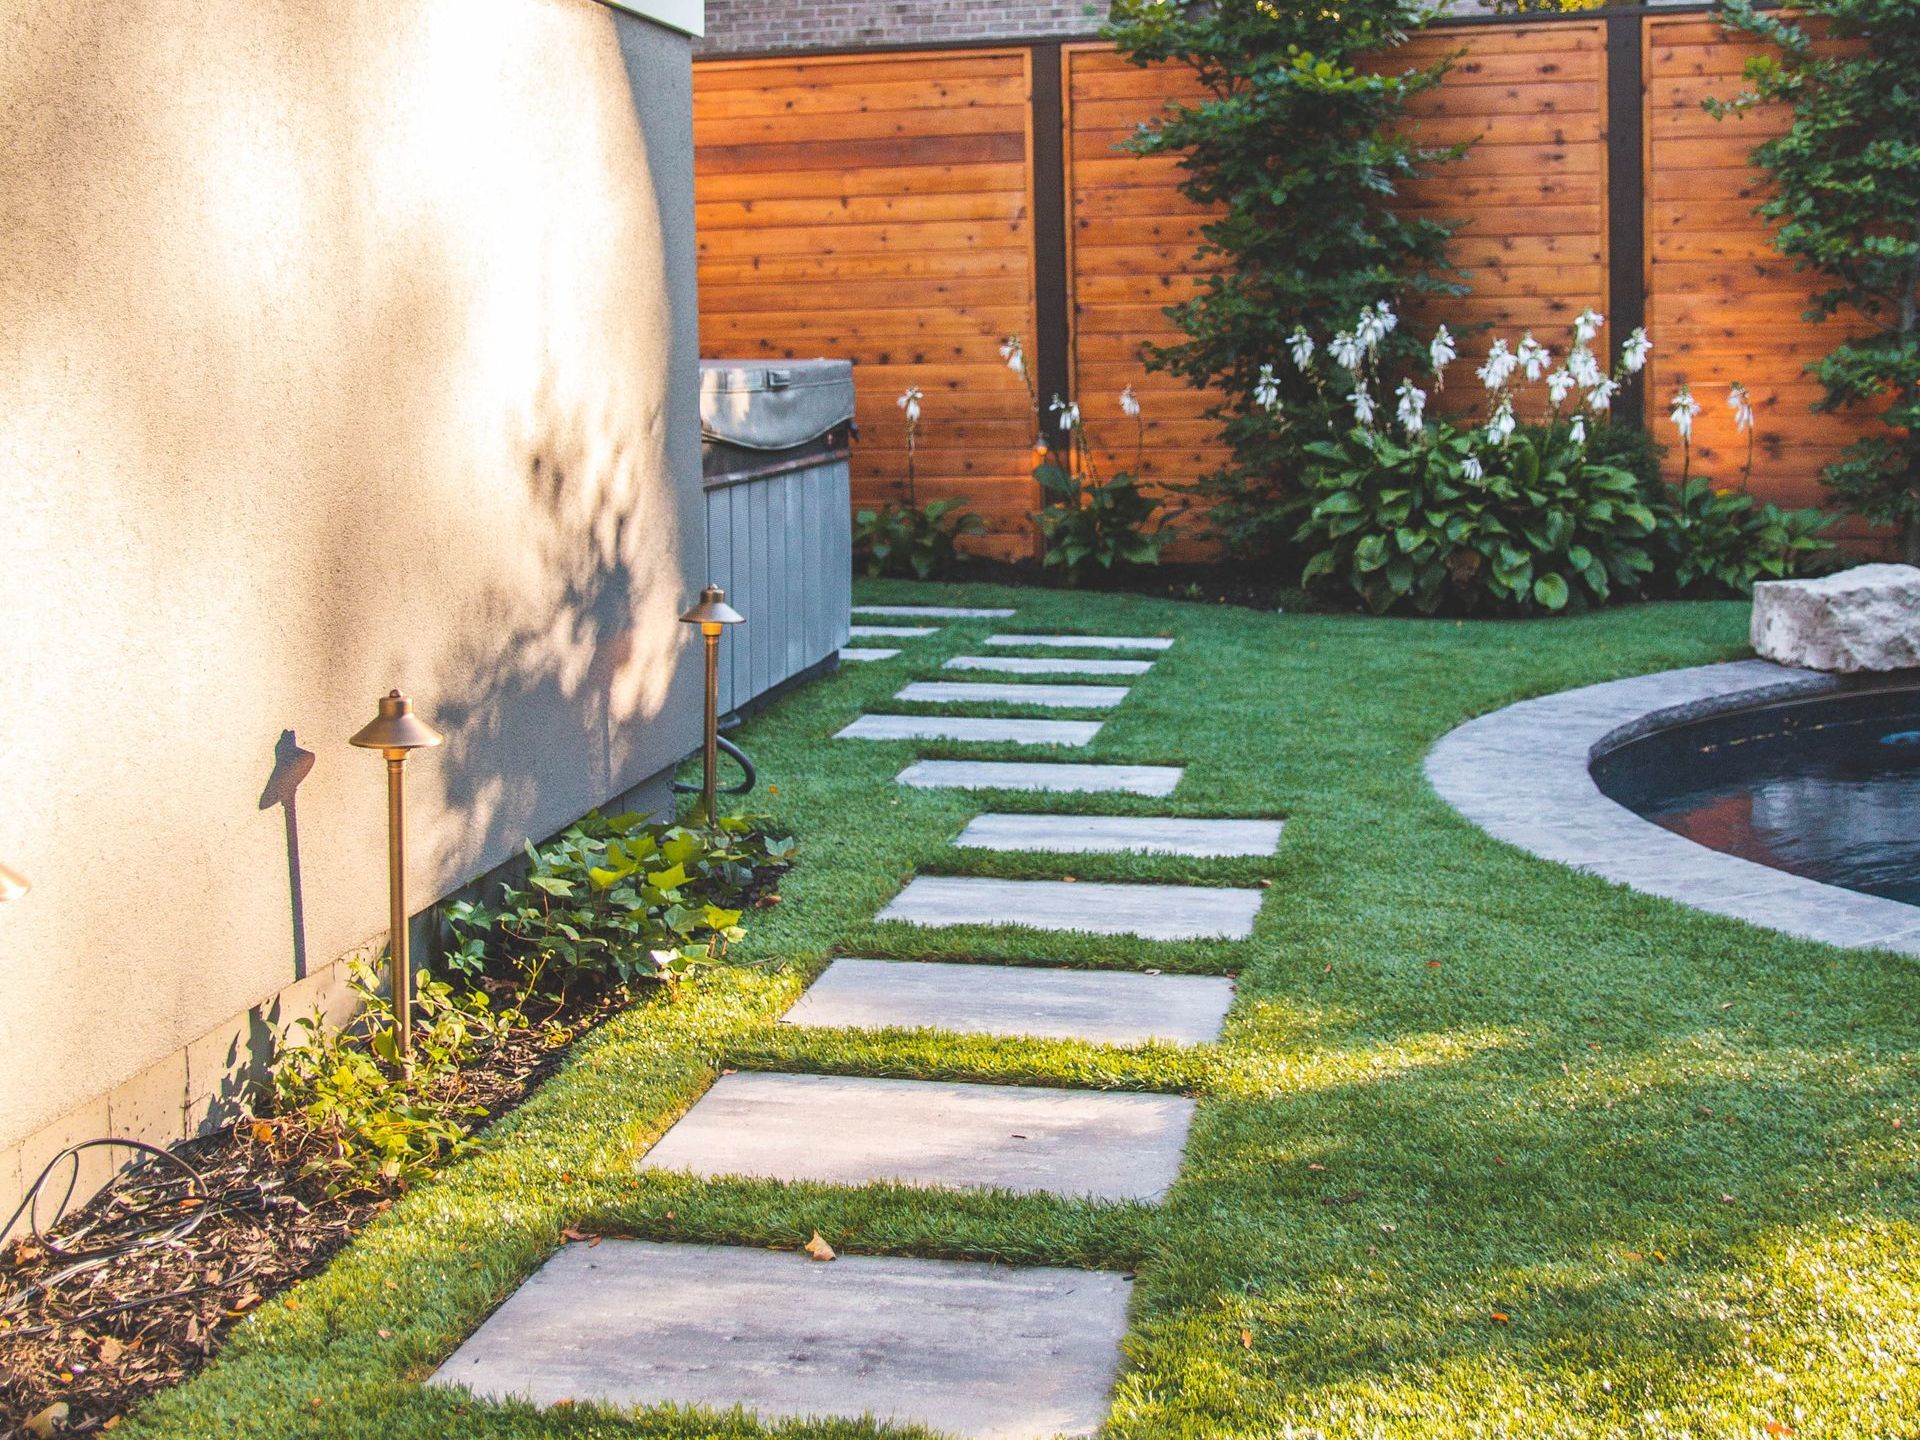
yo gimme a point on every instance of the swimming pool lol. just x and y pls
(1827, 787)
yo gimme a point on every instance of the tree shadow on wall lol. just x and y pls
(552, 709)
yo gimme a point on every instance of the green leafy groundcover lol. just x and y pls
(1490, 1147)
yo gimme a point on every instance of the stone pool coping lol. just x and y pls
(1522, 775)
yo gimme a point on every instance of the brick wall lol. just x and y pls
(776, 25)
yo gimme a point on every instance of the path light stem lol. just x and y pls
(712, 615)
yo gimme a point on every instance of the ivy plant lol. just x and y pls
(1846, 199)
(1296, 142)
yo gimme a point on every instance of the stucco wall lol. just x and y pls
(343, 346)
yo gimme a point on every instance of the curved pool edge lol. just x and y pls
(1521, 774)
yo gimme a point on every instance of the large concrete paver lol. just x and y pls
(1056, 697)
(890, 632)
(1053, 665)
(1104, 1007)
(845, 1130)
(1086, 642)
(935, 612)
(1041, 775)
(966, 727)
(987, 1352)
(1108, 834)
(866, 652)
(1153, 912)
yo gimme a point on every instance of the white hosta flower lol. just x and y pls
(1441, 352)
(1015, 354)
(1501, 424)
(1472, 468)
(1069, 414)
(1741, 403)
(1374, 325)
(1362, 403)
(1634, 351)
(1412, 410)
(1586, 325)
(1129, 402)
(1685, 407)
(1499, 367)
(1388, 321)
(1559, 386)
(1300, 345)
(1266, 390)
(1533, 357)
(1347, 349)
(1600, 397)
(910, 402)
(1584, 366)
(1579, 430)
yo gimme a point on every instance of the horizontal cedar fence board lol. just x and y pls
(877, 209)
(1723, 305)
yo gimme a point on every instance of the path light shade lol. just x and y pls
(12, 884)
(394, 732)
(712, 615)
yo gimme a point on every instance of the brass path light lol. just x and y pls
(394, 732)
(712, 615)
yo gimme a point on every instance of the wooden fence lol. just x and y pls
(910, 211)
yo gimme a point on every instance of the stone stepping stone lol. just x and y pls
(1057, 697)
(857, 652)
(934, 612)
(631, 1322)
(1110, 834)
(890, 632)
(1105, 1007)
(1155, 780)
(1153, 912)
(848, 1130)
(1064, 665)
(965, 727)
(1086, 642)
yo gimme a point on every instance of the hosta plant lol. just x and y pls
(1719, 542)
(911, 539)
(1087, 521)
(617, 896)
(1434, 522)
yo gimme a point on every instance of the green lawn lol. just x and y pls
(1676, 1153)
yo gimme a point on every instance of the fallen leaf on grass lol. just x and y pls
(1778, 1427)
(1500, 1317)
(818, 1248)
(1433, 964)
(1246, 1339)
(1346, 1199)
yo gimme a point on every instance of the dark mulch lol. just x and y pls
(132, 1292)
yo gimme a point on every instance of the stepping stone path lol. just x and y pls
(846, 1130)
(988, 1352)
(890, 632)
(933, 612)
(963, 727)
(1107, 1007)
(636, 1323)
(856, 652)
(1062, 665)
(1085, 642)
(1062, 779)
(1108, 834)
(1153, 912)
(1057, 697)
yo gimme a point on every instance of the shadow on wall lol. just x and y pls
(291, 765)
(570, 692)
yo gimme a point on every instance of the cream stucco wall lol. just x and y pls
(343, 346)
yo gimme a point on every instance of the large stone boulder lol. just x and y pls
(1866, 618)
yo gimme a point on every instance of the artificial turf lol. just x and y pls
(1489, 1148)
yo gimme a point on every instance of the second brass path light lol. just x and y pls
(395, 732)
(712, 615)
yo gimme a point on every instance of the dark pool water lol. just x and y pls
(1828, 788)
